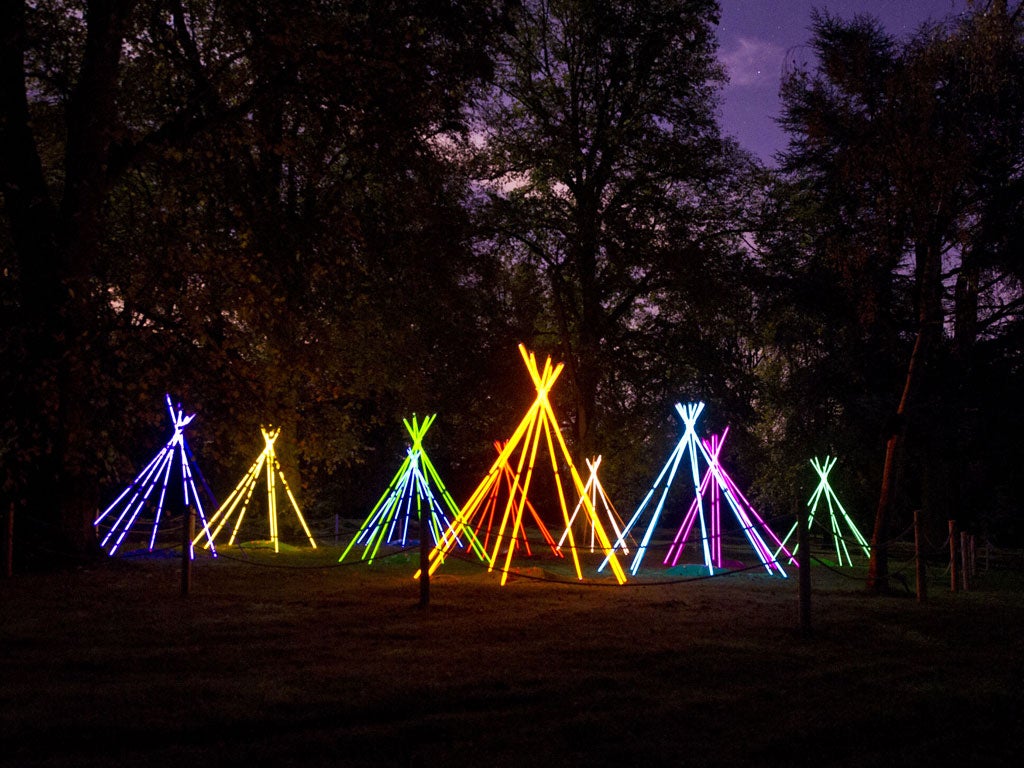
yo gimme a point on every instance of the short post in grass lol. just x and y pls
(952, 556)
(965, 555)
(919, 567)
(188, 525)
(804, 547)
(9, 542)
(424, 561)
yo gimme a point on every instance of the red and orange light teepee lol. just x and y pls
(517, 471)
(488, 514)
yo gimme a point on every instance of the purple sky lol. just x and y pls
(756, 36)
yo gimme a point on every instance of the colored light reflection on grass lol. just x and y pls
(411, 489)
(539, 422)
(836, 513)
(239, 499)
(129, 506)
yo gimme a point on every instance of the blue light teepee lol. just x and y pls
(135, 499)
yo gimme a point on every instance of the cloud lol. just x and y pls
(753, 63)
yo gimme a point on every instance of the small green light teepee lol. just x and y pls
(836, 514)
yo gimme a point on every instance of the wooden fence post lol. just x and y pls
(9, 543)
(952, 556)
(804, 563)
(188, 525)
(424, 561)
(965, 561)
(919, 565)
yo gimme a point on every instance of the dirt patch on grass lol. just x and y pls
(294, 660)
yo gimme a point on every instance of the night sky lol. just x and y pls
(757, 38)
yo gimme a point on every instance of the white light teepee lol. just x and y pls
(824, 490)
(538, 422)
(242, 494)
(410, 490)
(715, 477)
(135, 498)
(598, 498)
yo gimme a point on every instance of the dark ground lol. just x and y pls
(294, 660)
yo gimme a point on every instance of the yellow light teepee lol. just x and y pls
(242, 494)
(539, 421)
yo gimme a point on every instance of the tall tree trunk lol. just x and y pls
(964, 479)
(92, 118)
(929, 292)
(34, 228)
(56, 249)
(878, 564)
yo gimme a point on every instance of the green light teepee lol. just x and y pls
(409, 491)
(242, 495)
(824, 490)
(538, 422)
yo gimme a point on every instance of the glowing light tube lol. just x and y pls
(174, 453)
(478, 514)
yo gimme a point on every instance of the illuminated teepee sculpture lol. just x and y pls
(242, 494)
(824, 489)
(135, 498)
(723, 487)
(718, 485)
(539, 421)
(598, 498)
(409, 491)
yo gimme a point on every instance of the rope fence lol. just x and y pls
(902, 557)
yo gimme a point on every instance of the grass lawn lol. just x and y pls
(292, 659)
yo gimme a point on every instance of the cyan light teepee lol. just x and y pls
(714, 479)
